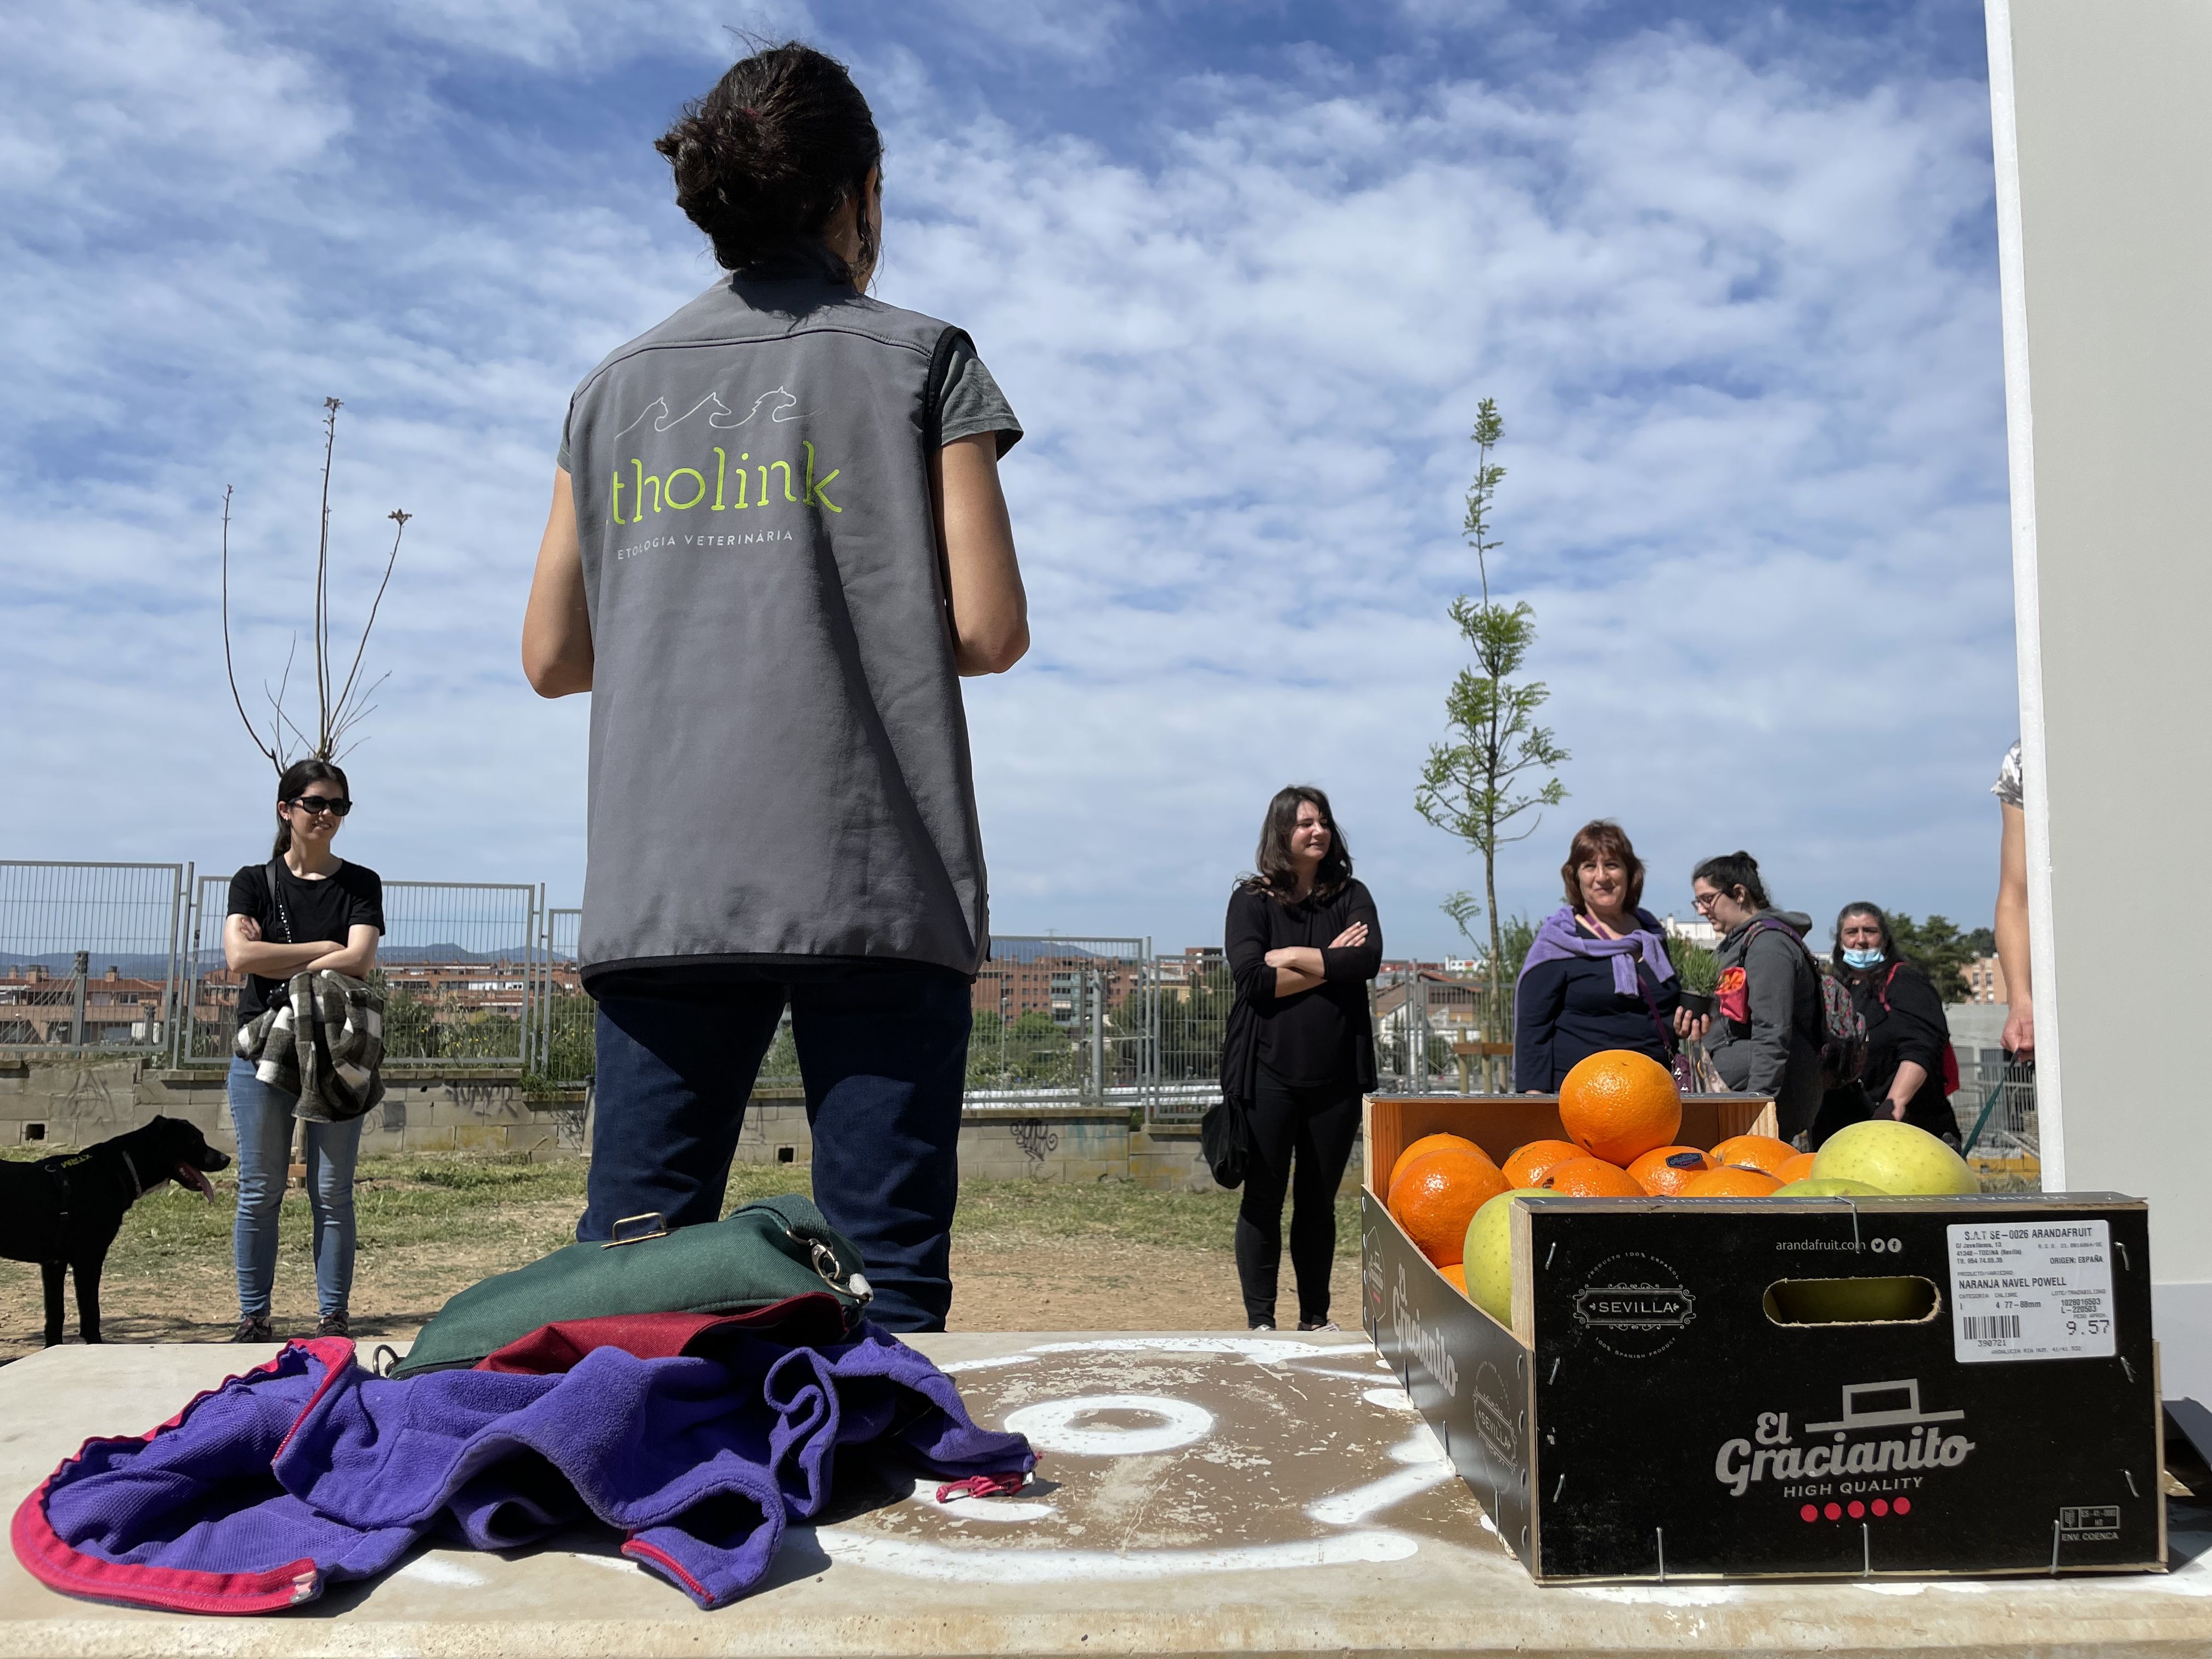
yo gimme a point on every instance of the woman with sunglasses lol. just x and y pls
(306, 909)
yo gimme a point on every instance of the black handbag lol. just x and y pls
(1224, 1135)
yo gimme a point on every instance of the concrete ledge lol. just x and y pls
(1272, 1495)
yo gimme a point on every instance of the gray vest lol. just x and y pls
(780, 764)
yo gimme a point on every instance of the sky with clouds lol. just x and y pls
(1243, 270)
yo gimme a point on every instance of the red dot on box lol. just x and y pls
(1810, 1512)
(1858, 1510)
(1905, 1506)
(1834, 1511)
(1882, 1506)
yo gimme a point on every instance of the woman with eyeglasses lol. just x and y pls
(1769, 1020)
(306, 909)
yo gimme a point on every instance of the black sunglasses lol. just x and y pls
(319, 804)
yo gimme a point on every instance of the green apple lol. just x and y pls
(1833, 1186)
(1895, 1158)
(1489, 1258)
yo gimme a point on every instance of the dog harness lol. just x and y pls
(700, 1446)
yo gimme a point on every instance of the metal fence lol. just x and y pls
(456, 967)
(89, 952)
(1068, 1019)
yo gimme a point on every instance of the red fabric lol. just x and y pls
(58, 1567)
(982, 1486)
(800, 1321)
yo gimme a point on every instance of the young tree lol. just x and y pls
(339, 704)
(1938, 948)
(1491, 775)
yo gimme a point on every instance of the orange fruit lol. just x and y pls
(1529, 1165)
(1732, 1181)
(1665, 1170)
(1439, 1195)
(1455, 1276)
(1619, 1104)
(1798, 1168)
(1755, 1152)
(1593, 1178)
(1428, 1144)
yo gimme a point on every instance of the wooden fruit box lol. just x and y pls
(1676, 1396)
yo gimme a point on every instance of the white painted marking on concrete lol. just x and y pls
(1272, 1351)
(1421, 1446)
(1053, 1425)
(1390, 1400)
(1964, 1586)
(1662, 1595)
(911, 1558)
(1348, 1508)
(979, 1508)
(619, 1562)
(438, 1570)
(1894, 1590)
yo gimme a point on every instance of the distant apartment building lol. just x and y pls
(1984, 978)
(38, 1008)
(1696, 931)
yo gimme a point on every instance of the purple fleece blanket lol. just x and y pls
(311, 1470)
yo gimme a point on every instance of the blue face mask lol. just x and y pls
(1862, 958)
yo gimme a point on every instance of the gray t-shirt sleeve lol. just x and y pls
(2010, 787)
(972, 402)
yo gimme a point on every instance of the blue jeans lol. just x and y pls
(263, 1119)
(884, 1054)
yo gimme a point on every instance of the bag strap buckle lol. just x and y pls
(621, 1233)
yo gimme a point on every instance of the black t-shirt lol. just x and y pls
(326, 907)
(1316, 1037)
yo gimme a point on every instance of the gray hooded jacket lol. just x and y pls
(1775, 1051)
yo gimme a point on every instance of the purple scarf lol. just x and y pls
(1557, 939)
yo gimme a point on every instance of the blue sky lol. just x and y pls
(1243, 270)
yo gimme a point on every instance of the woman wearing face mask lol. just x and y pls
(306, 908)
(1597, 977)
(1302, 940)
(1769, 1022)
(1906, 1032)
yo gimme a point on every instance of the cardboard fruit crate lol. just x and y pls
(1724, 1388)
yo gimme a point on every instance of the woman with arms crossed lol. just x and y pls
(1302, 941)
(305, 910)
(776, 543)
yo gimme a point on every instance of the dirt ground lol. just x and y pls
(1024, 1258)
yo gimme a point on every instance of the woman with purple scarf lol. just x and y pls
(1597, 977)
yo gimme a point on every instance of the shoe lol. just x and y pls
(254, 1327)
(1319, 1325)
(334, 1325)
(1265, 1325)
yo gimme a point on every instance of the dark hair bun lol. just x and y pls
(781, 142)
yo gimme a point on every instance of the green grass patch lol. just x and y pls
(461, 1199)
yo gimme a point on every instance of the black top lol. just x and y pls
(1566, 1010)
(325, 907)
(1910, 1026)
(1317, 1036)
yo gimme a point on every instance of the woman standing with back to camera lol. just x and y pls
(776, 541)
(1302, 941)
(305, 910)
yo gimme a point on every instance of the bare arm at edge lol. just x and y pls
(983, 580)
(2012, 934)
(557, 627)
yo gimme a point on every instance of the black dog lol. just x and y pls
(63, 1212)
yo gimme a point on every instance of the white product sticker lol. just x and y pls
(2032, 1290)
